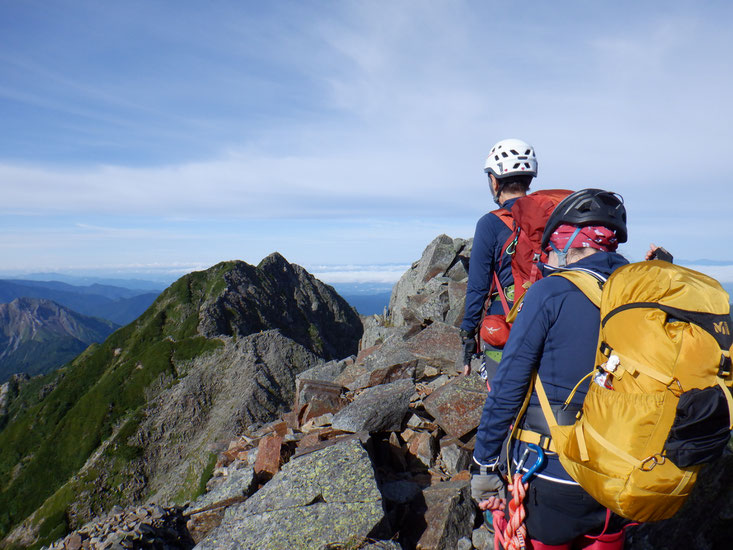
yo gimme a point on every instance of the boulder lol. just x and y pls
(454, 456)
(327, 497)
(416, 298)
(326, 372)
(457, 405)
(439, 345)
(385, 375)
(449, 515)
(320, 396)
(378, 409)
(237, 484)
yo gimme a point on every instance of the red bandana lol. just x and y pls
(597, 237)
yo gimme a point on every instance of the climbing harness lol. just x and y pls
(512, 534)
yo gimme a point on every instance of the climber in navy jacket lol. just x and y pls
(510, 166)
(556, 334)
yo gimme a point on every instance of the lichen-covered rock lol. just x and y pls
(378, 409)
(457, 405)
(326, 497)
(237, 484)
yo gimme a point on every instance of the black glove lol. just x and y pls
(469, 346)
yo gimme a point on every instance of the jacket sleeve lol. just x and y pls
(480, 271)
(521, 356)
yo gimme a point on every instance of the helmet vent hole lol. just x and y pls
(515, 166)
(513, 152)
(504, 155)
(496, 157)
(528, 152)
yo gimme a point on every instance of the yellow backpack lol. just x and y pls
(659, 405)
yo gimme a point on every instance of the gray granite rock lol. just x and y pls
(378, 409)
(411, 301)
(326, 372)
(237, 484)
(326, 497)
(482, 539)
(449, 516)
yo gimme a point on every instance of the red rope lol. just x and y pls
(514, 536)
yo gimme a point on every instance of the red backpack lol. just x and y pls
(526, 220)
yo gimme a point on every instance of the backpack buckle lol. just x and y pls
(724, 369)
(605, 349)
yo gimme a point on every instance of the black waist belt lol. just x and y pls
(534, 418)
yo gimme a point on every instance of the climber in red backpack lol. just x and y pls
(506, 251)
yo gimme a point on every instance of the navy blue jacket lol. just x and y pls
(556, 334)
(486, 254)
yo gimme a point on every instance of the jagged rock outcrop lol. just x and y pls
(277, 294)
(433, 289)
(39, 335)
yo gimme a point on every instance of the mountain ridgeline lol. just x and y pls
(119, 305)
(141, 415)
(39, 335)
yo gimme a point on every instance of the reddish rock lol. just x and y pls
(322, 396)
(439, 344)
(293, 418)
(366, 352)
(350, 374)
(457, 405)
(73, 542)
(385, 375)
(423, 447)
(268, 455)
(463, 475)
(201, 524)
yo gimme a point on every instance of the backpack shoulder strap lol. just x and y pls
(587, 282)
(504, 215)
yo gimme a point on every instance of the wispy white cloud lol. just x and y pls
(294, 117)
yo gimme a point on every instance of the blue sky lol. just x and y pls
(144, 135)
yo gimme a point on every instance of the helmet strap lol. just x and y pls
(562, 255)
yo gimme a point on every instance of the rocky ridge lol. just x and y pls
(375, 450)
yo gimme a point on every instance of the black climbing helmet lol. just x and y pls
(589, 207)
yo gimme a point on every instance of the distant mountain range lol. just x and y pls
(38, 335)
(117, 304)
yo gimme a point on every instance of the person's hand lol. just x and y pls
(488, 489)
(658, 253)
(469, 350)
(492, 503)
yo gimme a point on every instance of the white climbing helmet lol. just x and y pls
(511, 157)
